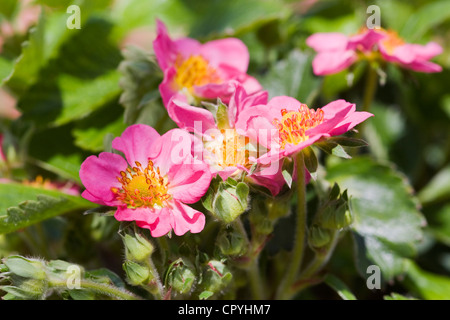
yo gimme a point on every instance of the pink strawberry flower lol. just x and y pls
(410, 56)
(223, 143)
(201, 71)
(336, 51)
(294, 126)
(153, 184)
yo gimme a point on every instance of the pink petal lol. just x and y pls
(99, 175)
(172, 148)
(212, 91)
(187, 47)
(194, 119)
(329, 41)
(325, 63)
(185, 219)
(189, 181)
(366, 40)
(164, 48)
(135, 142)
(167, 87)
(161, 225)
(230, 51)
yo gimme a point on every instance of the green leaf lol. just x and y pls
(437, 189)
(287, 177)
(292, 77)
(340, 287)
(22, 206)
(397, 296)
(428, 285)
(222, 115)
(387, 224)
(420, 21)
(311, 162)
(332, 147)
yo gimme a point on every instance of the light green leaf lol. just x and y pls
(428, 285)
(340, 287)
(424, 18)
(438, 188)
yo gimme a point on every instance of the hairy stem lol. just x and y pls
(299, 244)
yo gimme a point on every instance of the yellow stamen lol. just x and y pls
(142, 187)
(194, 71)
(293, 124)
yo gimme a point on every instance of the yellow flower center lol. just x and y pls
(194, 71)
(228, 149)
(294, 124)
(391, 41)
(142, 187)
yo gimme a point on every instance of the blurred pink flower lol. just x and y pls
(201, 71)
(410, 56)
(153, 184)
(336, 51)
(225, 146)
(294, 126)
(8, 105)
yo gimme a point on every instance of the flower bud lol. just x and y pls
(180, 277)
(216, 276)
(137, 248)
(227, 200)
(136, 274)
(231, 243)
(336, 217)
(318, 237)
(26, 268)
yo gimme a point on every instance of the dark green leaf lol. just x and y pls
(387, 223)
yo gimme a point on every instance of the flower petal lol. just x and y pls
(187, 117)
(325, 63)
(135, 142)
(99, 175)
(327, 41)
(185, 218)
(230, 51)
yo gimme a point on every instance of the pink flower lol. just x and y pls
(223, 143)
(336, 51)
(409, 56)
(153, 184)
(201, 71)
(294, 126)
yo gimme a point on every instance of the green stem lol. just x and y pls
(254, 276)
(159, 292)
(99, 288)
(370, 88)
(309, 275)
(299, 244)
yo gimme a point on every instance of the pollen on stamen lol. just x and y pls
(142, 187)
(293, 125)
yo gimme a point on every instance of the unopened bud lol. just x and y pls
(136, 274)
(180, 277)
(216, 276)
(227, 200)
(318, 237)
(26, 268)
(231, 243)
(137, 247)
(336, 217)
